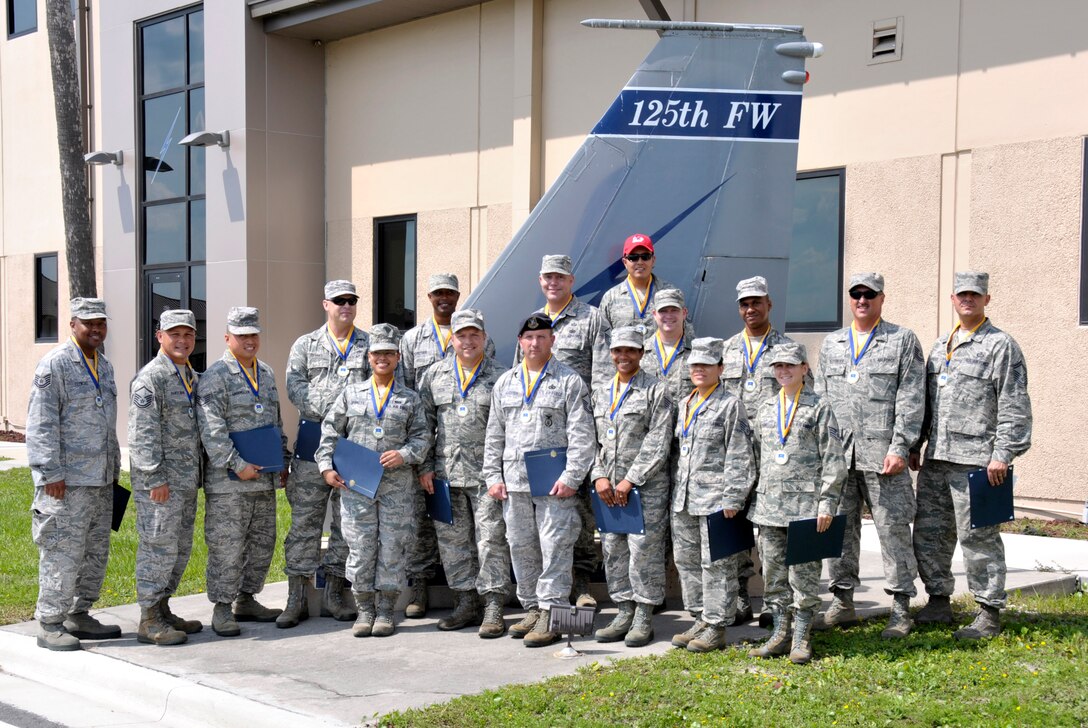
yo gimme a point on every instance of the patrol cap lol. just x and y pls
(873, 281)
(88, 309)
(638, 240)
(706, 350)
(669, 298)
(557, 264)
(442, 282)
(177, 317)
(333, 289)
(384, 337)
(789, 352)
(466, 318)
(971, 280)
(242, 320)
(629, 336)
(536, 322)
(756, 286)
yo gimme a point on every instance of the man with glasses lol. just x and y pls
(320, 366)
(631, 303)
(873, 376)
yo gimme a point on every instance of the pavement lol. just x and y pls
(318, 674)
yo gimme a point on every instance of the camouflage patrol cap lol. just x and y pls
(442, 282)
(536, 322)
(669, 298)
(557, 264)
(629, 336)
(971, 280)
(384, 337)
(788, 352)
(466, 318)
(753, 287)
(243, 320)
(873, 281)
(177, 317)
(88, 309)
(706, 350)
(333, 289)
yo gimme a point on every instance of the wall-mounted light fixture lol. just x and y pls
(105, 157)
(206, 139)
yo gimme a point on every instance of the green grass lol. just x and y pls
(1033, 674)
(1040, 527)
(2, 459)
(19, 556)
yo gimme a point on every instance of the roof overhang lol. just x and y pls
(327, 20)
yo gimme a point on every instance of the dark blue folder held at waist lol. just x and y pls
(729, 536)
(544, 468)
(804, 544)
(439, 506)
(121, 495)
(262, 447)
(619, 519)
(359, 466)
(309, 437)
(990, 504)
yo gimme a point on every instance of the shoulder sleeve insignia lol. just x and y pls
(143, 398)
(744, 427)
(834, 432)
(42, 381)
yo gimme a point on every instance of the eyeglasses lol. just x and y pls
(345, 301)
(867, 294)
(634, 257)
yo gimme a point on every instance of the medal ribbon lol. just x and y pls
(254, 382)
(186, 382)
(92, 371)
(379, 410)
(856, 355)
(640, 303)
(949, 348)
(752, 358)
(664, 356)
(557, 314)
(529, 385)
(693, 412)
(462, 385)
(614, 404)
(443, 344)
(349, 343)
(783, 434)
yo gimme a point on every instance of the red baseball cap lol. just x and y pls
(638, 241)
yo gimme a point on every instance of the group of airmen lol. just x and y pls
(635, 401)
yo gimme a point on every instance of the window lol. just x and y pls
(815, 289)
(172, 232)
(395, 271)
(45, 298)
(22, 17)
(1084, 240)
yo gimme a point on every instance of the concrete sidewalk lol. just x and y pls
(318, 674)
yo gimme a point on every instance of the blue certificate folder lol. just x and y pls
(804, 544)
(262, 447)
(544, 468)
(729, 536)
(309, 437)
(439, 506)
(121, 495)
(990, 504)
(359, 466)
(619, 519)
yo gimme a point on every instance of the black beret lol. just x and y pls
(536, 322)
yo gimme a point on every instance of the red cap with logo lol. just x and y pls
(638, 241)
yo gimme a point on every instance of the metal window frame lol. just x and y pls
(38, 257)
(377, 258)
(11, 17)
(836, 323)
(1084, 237)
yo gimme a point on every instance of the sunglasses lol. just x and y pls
(868, 295)
(634, 257)
(345, 301)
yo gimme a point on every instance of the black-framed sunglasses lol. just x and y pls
(867, 294)
(635, 257)
(345, 301)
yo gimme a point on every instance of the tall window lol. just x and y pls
(815, 289)
(22, 17)
(395, 271)
(45, 298)
(172, 232)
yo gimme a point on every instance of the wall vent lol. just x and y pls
(887, 40)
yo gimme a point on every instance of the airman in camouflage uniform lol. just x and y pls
(667, 349)
(456, 394)
(71, 443)
(715, 471)
(550, 410)
(238, 393)
(422, 347)
(165, 460)
(389, 419)
(873, 375)
(631, 303)
(798, 479)
(321, 365)
(581, 342)
(635, 420)
(978, 415)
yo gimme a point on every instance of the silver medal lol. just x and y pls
(853, 376)
(781, 457)
(462, 410)
(189, 412)
(343, 370)
(685, 449)
(98, 400)
(749, 385)
(610, 433)
(526, 415)
(942, 379)
(379, 433)
(258, 408)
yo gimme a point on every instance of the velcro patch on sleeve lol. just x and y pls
(42, 381)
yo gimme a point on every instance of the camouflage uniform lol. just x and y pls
(618, 307)
(70, 438)
(677, 379)
(879, 414)
(473, 548)
(313, 382)
(240, 515)
(541, 530)
(983, 413)
(638, 452)
(164, 449)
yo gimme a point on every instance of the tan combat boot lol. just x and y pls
(364, 621)
(154, 629)
(223, 622)
(682, 639)
(248, 609)
(710, 639)
(840, 614)
(85, 627)
(779, 642)
(541, 636)
(188, 626)
(642, 630)
(525, 626)
(53, 636)
(383, 620)
(938, 610)
(332, 600)
(899, 621)
(802, 637)
(493, 625)
(617, 629)
(464, 612)
(987, 624)
(419, 599)
(297, 608)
